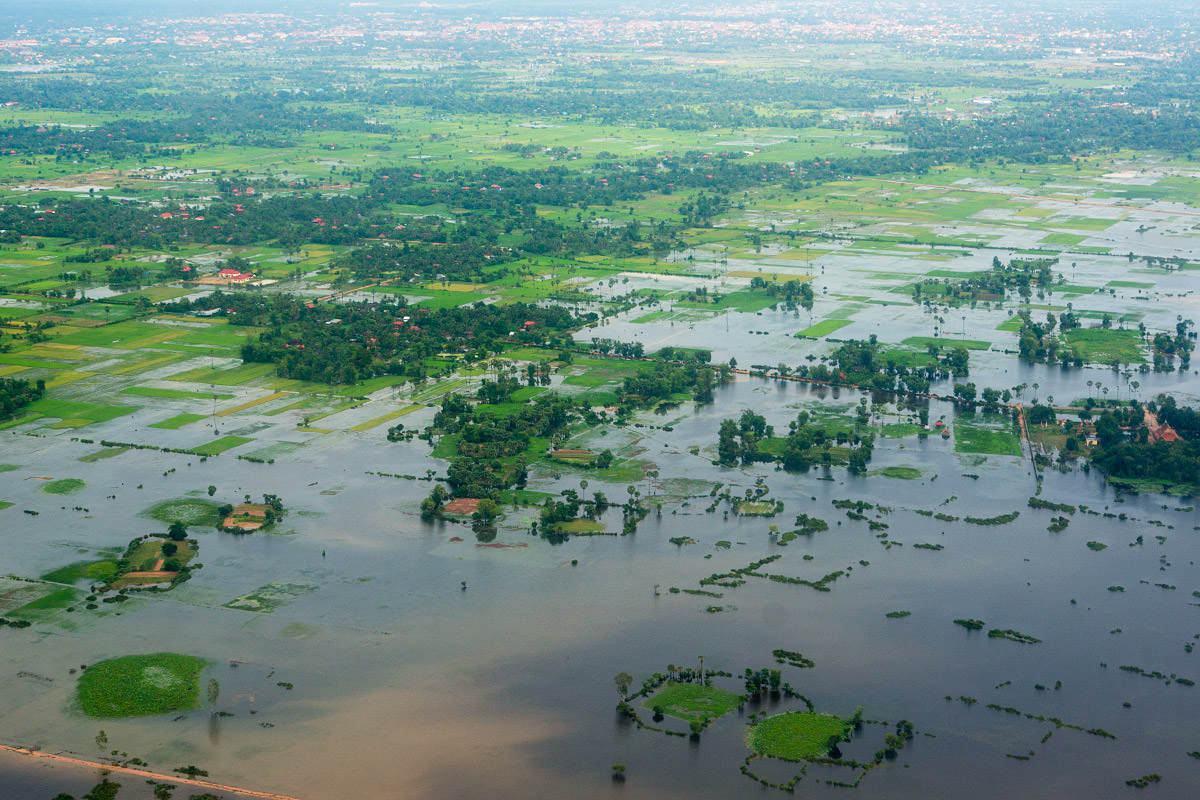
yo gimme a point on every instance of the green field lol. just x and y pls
(148, 391)
(797, 736)
(140, 685)
(688, 701)
(218, 446)
(923, 342)
(178, 421)
(189, 511)
(901, 473)
(978, 437)
(64, 486)
(825, 327)
(1106, 345)
(91, 571)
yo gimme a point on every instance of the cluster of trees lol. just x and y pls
(490, 447)
(672, 379)
(793, 293)
(866, 363)
(1124, 449)
(15, 394)
(1023, 276)
(1166, 347)
(1037, 344)
(346, 343)
(750, 439)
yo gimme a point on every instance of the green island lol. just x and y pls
(140, 685)
(797, 735)
(688, 701)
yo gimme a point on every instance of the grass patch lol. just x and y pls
(178, 421)
(54, 601)
(91, 571)
(689, 701)
(100, 455)
(64, 486)
(219, 446)
(797, 736)
(901, 473)
(150, 391)
(580, 527)
(140, 686)
(186, 510)
(824, 328)
(266, 599)
(985, 439)
(922, 342)
(1104, 346)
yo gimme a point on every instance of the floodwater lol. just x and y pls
(411, 661)
(407, 684)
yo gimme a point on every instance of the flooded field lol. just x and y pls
(412, 656)
(1014, 619)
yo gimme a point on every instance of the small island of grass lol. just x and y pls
(140, 685)
(688, 701)
(193, 512)
(64, 486)
(797, 735)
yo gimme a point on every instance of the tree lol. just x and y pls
(432, 505)
(212, 490)
(623, 680)
(177, 531)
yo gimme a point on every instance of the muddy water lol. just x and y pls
(406, 685)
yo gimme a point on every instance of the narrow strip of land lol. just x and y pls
(146, 773)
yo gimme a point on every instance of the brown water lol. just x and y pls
(407, 686)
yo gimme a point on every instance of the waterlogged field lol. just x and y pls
(1002, 616)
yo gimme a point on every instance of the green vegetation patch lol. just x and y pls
(179, 394)
(64, 486)
(756, 508)
(178, 421)
(972, 437)
(221, 445)
(91, 571)
(581, 527)
(922, 342)
(1106, 345)
(797, 735)
(54, 601)
(189, 511)
(140, 686)
(266, 599)
(100, 455)
(825, 327)
(1068, 239)
(689, 701)
(902, 473)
